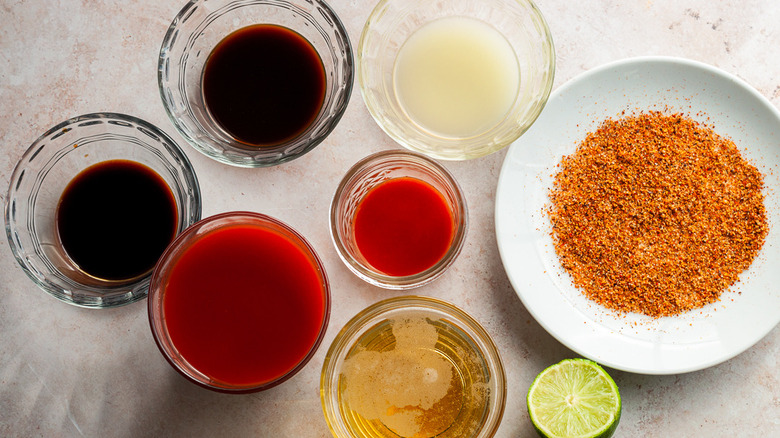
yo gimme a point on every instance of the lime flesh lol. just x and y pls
(574, 398)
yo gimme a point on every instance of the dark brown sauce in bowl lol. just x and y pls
(264, 84)
(115, 219)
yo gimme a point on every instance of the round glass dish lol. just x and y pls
(427, 355)
(239, 302)
(391, 25)
(201, 25)
(46, 169)
(377, 169)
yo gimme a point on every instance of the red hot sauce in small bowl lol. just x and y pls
(398, 219)
(403, 226)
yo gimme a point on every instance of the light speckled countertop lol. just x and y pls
(66, 371)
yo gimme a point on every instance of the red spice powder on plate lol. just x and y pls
(655, 213)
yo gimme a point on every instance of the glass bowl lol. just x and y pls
(195, 32)
(368, 174)
(524, 32)
(51, 163)
(386, 373)
(239, 302)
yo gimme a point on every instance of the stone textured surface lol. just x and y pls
(66, 371)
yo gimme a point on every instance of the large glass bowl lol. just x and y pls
(226, 301)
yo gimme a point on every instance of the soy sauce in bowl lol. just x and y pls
(115, 219)
(264, 84)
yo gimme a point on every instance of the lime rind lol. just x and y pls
(574, 398)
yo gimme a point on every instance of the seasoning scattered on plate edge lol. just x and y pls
(657, 214)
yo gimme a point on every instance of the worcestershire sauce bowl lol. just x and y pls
(92, 205)
(255, 83)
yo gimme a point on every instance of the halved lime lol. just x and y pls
(574, 398)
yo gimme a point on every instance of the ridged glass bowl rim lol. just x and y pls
(65, 126)
(366, 318)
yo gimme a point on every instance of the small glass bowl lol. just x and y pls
(369, 173)
(391, 24)
(461, 341)
(201, 25)
(172, 255)
(46, 168)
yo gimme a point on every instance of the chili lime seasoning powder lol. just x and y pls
(655, 213)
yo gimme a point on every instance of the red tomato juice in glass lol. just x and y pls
(244, 305)
(403, 226)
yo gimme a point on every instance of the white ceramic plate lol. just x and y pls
(637, 343)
